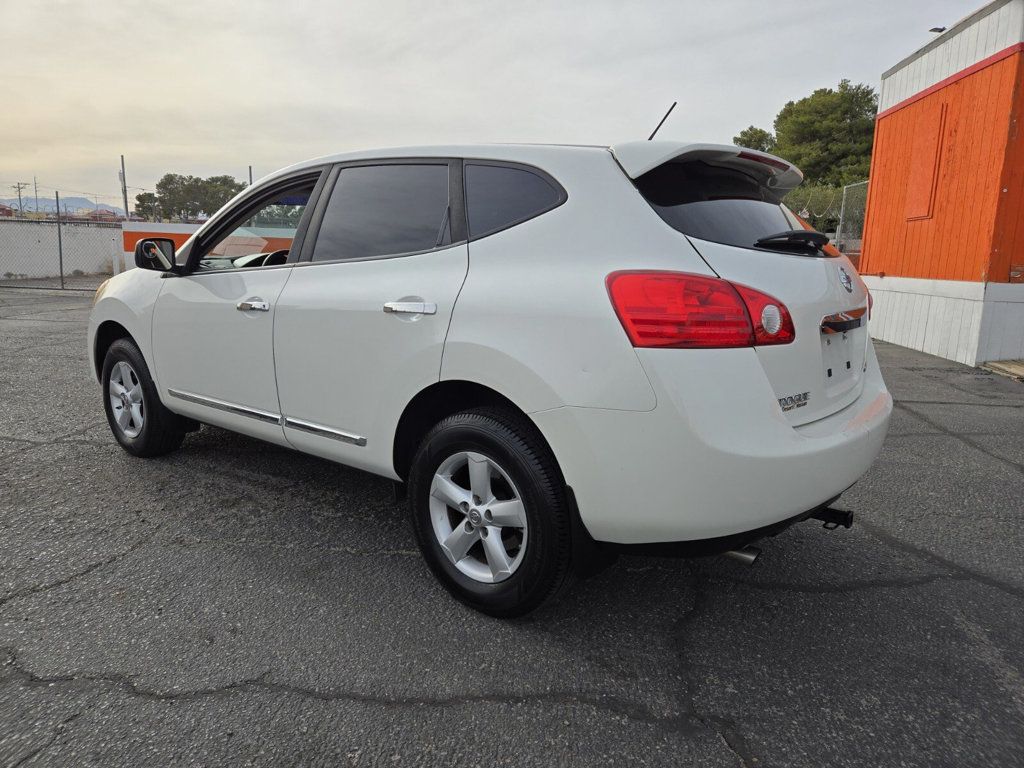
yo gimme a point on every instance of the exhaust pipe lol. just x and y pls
(747, 555)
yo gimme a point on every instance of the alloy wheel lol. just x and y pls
(126, 399)
(478, 517)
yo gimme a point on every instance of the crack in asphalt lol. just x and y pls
(59, 439)
(901, 435)
(616, 705)
(986, 395)
(50, 309)
(931, 557)
(58, 732)
(969, 405)
(726, 729)
(36, 589)
(845, 587)
(962, 438)
(853, 585)
(265, 544)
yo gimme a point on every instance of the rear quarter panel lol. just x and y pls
(534, 321)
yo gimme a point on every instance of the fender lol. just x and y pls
(127, 299)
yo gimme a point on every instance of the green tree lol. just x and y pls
(828, 135)
(147, 206)
(186, 197)
(753, 137)
(178, 195)
(217, 190)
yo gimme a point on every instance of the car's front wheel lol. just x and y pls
(489, 511)
(139, 421)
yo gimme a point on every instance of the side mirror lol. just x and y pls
(155, 253)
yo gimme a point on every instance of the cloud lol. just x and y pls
(211, 87)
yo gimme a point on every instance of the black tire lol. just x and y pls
(162, 431)
(514, 443)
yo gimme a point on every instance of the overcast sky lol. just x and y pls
(210, 87)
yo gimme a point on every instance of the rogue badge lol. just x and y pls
(794, 401)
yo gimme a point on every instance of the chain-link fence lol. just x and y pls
(850, 230)
(58, 251)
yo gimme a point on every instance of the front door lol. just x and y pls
(213, 327)
(361, 326)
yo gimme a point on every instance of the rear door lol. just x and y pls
(362, 322)
(725, 203)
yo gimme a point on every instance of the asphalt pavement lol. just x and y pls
(236, 603)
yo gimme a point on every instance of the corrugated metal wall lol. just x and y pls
(935, 179)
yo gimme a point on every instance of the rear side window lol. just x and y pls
(383, 210)
(499, 196)
(723, 205)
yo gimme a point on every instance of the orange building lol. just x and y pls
(943, 247)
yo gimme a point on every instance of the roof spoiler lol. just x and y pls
(639, 157)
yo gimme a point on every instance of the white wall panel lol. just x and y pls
(968, 322)
(988, 31)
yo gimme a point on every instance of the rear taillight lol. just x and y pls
(772, 323)
(683, 311)
(871, 304)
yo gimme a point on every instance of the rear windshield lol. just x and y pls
(723, 205)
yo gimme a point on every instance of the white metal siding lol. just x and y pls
(970, 322)
(992, 29)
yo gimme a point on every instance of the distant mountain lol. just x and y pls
(70, 204)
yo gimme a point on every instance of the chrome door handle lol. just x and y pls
(411, 307)
(253, 305)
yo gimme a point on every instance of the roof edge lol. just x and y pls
(954, 30)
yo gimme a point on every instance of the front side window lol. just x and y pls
(263, 236)
(499, 196)
(384, 210)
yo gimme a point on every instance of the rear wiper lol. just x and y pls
(794, 238)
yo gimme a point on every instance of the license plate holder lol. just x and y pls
(837, 355)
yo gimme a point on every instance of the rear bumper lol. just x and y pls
(716, 457)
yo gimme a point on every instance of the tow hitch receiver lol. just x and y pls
(833, 518)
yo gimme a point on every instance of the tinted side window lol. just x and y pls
(381, 210)
(499, 196)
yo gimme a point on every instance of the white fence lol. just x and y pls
(29, 251)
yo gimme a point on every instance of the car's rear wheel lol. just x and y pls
(489, 511)
(137, 418)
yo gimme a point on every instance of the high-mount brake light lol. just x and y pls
(683, 311)
(764, 160)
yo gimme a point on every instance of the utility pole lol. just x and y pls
(20, 185)
(35, 185)
(250, 175)
(60, 243)
(124, 189)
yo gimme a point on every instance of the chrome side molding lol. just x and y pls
(322, 431)
(269, 418)
(224, 405)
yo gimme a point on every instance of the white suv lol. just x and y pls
(560, 351)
